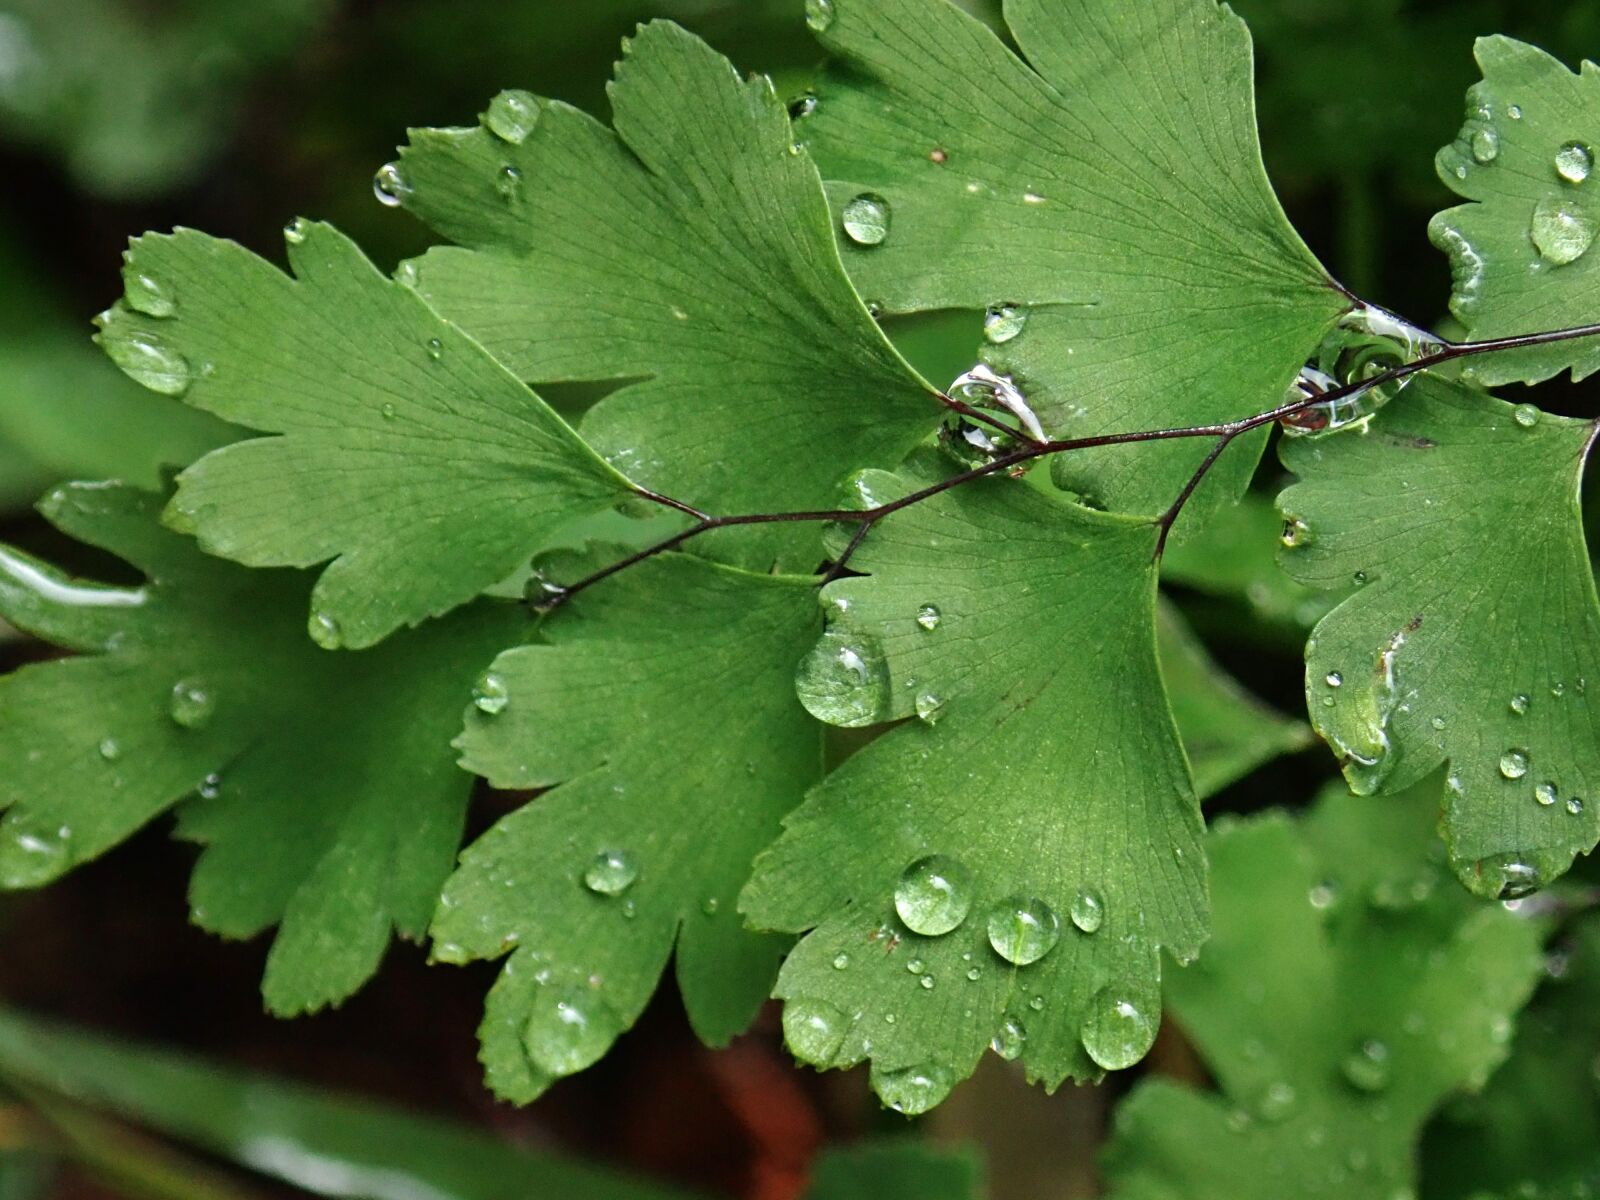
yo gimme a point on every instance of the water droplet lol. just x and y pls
(802, 106)
(1574, 161)
(709, 906)
(295, 231)
(1359, 578)
(819, 15)
(933, 895)
(1561, 230)
(390, 185)
(929, 707)
(1037, 1004)
(568, 1029)
(1296, 533)
(926, 982)
(1022, 929)
(1514, 111)
(841, 960)
(512, 115)
(844, 680)
(1485, 145)
(928, 617)
(1525, 415)
(210, 787)
(31, 854)
(611, 873)
(1514, 764)
(1519, 703)
(1436, 722)
(974, 974)
(1008, 1042)
(1367, 1066)
(148, 295)
(192, 703)
(1088, 911)
(1002, 322)
(1334, 679)
(1574, 805)
(1118, 1031)
(508, 181)
(435, 349)
(387, 411)
(1558, 689)
(814, 1030)
(109, 749)
(149, 360)
(490, 694)
(916, 966)
(1276, 1102)
(324, 630)
(1545, 794)
(1510, 876)
(1323, 894)
(866, 219)
(912, 1090)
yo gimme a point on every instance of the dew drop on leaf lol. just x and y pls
(110, 749)
(611, 873)
(192, 703)
(1574, 805)
(1008, 1042)
(148, 360)
(1088, 911)
(814, 1030)
(1561, 230)
(819, 15)
(1002, 322)
(1296, 533)
(913, 1090)
(435, 349)
(512, 115)
(1525, 415)
(1276, 1102)
(490, 694)
(844, 680)
(210, 787)
(1366, 1068)
(929, 707)
(148, 295)
(1334, 679)
(928, 617)
(1519, 703)
(1485, 145)
(866, 219)
(1023, 929)
(1574, 161)
(802, 106)
(295, 231)
(508, 181)
(933, 895)
(1118, 1031)
(390, 185)
(324, 630)
(568, 1029)
(841, 961)
(1514, 764)
(31, 856)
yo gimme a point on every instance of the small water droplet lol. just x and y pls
(916, 966)
(1525, 415)
(31, 854)
(819, 15)
(1010, 1039)
(709, 906)
(1037, 1004)
(1334, 679)
(929, 707)
(490, 694)
(1562, 232)
(295, 231)
(146, 294)
(1323, 894)
(802, 106)
(1367, 1066)
(933, 895)
(192, 703)
(1088, 911)
(1514, 111)
(912, 1090)
(388, 411)
(508, 181)
(611, 873)
(1545, 794)
(866, 219)
(1023, 929)
(512, 115)
(390, 185)
(109, 749)
(210, 787)
(1359, 578)
(1574, 161)
(1574, 805)
(1436, 722)
(844, 680)
(324, 630)
(148, 360)
(1296, 533)
(841, 960)
(1276, 1102)
(1002, 322)
(1514, 764)
(928, 617)
(1485, 145)
(435, 349)
(1519, 703)
(1118, 1030)
(814, 1030)
(926, 982)
(1511, 876)
(974, 974)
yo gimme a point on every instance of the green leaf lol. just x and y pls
(1341, 997)
(1111, 185)
(662, 712)
(1473, 635)
(315, 1139)
(1537, 1125)
(328, 799)
(1226, 732)
(1525, 157)
(411, 458)
(687, 255)
(1046, 766)
(896, 1169)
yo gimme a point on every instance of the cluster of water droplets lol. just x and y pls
(1367, 343)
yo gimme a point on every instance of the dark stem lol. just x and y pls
(1224, 433)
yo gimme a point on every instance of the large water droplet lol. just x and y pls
(1367, 1066)
(1545, 794)
(568, 1029)
(490, 694)
(1509, 877)
(1514, 764)
(1574, 161)
(324, 631)
(1485, 145)
(933, 895)
(1003, 322)
(912, 1090)
(611, 873)
(1088, 911)
(814, 1030)
(146, 294)
(32, 853)
(1022, 929)
(390, 185)
(1010, 1039)
(294, 233)
(149, 360)
(844, 680)
(866, 219)
(512, 115)
(192, 703)
(1525, 415)
(1561, 230)
(1118, 1030)
(819, 15)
